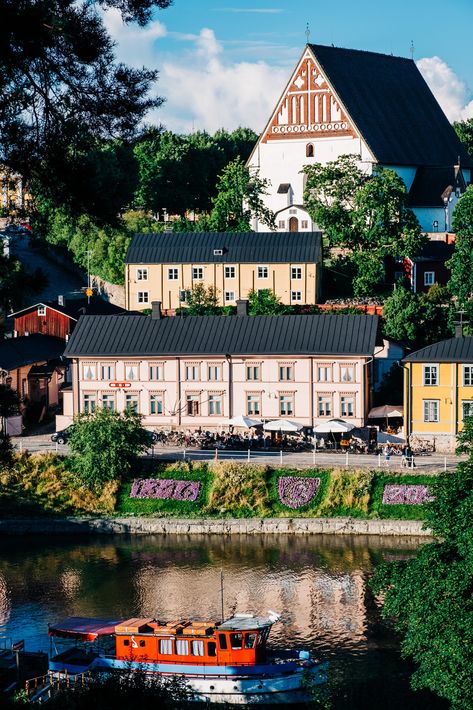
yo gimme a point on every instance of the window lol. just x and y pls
(253, 372)
(296, 296)
(197, 647)
(192, 405)
(229, 296)
(173, 274)
(215, 405)
(236, 640)
(304, 224)
(468, 375)
(214, 373)
(296, 272)
(325, 406)
(262, 272)
(229, 272)
(131, 371)
(431, 410)
(156, 372)
(430, 375)
(211, 648)
(41, 310)
(192, 372)
(324, 373)
(156, 404)
(281, 224)
(89, 371)
(126, 642)
(467, 408)
(222, 640)
(286, 405)
(347, 406)
(197, 273)
(250, 640)
(165, 646)
(346, 374)
(253, 404)
(182, 647)
(143, 296)
(108, 402)
(286, 372)
(107, 372)
(429, 278)
(131, 402)
(184, 296)
(309, 150)
(142, 274)
(89, 403)
(142, 643)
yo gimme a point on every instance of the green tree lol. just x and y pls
(201, 301)
(402, 315)
(264, 302)
(366, 215)
(464, 130)
(436, 312)
(461, 262)
(106, 445)
(429, 598)
(239, 199)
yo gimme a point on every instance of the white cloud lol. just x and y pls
(449, 90)
(136, 46)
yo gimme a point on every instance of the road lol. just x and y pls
(432, 463)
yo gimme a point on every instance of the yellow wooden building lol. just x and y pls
(438, 391)
(165, 266)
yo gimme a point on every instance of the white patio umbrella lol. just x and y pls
(244, 422)
(334, 426)
(283, 425)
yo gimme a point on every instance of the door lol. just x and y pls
(293, 224)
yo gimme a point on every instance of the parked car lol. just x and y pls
(61, 437)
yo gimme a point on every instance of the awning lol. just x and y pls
(83, 628)
(387, 410)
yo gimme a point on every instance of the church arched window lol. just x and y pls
(309, 150)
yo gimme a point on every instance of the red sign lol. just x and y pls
(119, 385)
(18, 646)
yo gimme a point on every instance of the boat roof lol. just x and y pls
(245, 622)
(83, 628)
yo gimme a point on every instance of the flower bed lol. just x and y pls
(405, 494)
(297, 491)
(165, 489)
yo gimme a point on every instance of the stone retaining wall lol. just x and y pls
(202, 526)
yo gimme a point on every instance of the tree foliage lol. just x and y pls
(367, 215)
(461, 262)
(418, 319)
(430, 597)
(464, 130)
(201, 301)
(106, 444)
(61, 91)
(264, 302)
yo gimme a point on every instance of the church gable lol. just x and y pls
(308, 108)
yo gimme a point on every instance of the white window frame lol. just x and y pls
(286, 372)
(92, 367)
(281, 224)
(296, 296)
(468, 402)
(322, 401)
(347, 402)
(196, 270)
(192, 368)
(229, 296)
(262, 272)
(89, 402)
(157, 399)
(156, 371)
(142, 274)
(467, 376)
(431, 410)
(347, 373)
(428, 374)
(286, 404)
(108, 401)
(230, 272)
(304, 224)
(296, 273)
(429, 278)
(142, 297)
(129, 367)
(214, 373)
(107, 371)
(215, 405)
(132, 401)
(328, 369)
(173, 273)
(253, 372)
(41, 310)
(253, 404)
(195, 398)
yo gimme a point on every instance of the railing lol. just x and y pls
(42, 687)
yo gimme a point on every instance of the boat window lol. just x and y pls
(222, 641)
(211, 648)
(126, 642)
(182, 647)
(165, 646)
(142, 643)
(263, 636)
(197, 648)
(250, 640)
(236, 640)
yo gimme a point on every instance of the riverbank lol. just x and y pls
(140, 525)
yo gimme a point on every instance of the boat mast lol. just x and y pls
(221, 594)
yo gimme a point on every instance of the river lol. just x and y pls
(317, 583)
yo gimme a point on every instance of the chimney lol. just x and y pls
(242, 307)
(156, 310)
(61, 301)
(458, 330)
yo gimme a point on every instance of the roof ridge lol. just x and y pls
(362, 51)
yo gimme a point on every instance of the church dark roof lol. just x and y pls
(432, 184)
(393, 108)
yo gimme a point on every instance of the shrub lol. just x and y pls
(238, 489)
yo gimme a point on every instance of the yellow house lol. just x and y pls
(164, 267)
(14, 196)
(438, 391)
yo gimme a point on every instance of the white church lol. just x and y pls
(374, 106)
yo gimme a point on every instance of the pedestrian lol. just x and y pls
(387, 454)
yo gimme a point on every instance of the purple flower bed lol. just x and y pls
(165, 489)
(296, 491)
(406, 494)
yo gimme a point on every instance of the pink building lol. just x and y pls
(202, 371)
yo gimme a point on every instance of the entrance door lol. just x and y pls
(293, 224)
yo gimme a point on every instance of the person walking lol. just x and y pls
(387, 454)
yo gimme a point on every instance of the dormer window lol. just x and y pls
(309, 150)
(218, 252)
(41, 310)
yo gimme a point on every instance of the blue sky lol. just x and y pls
(224, 63)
